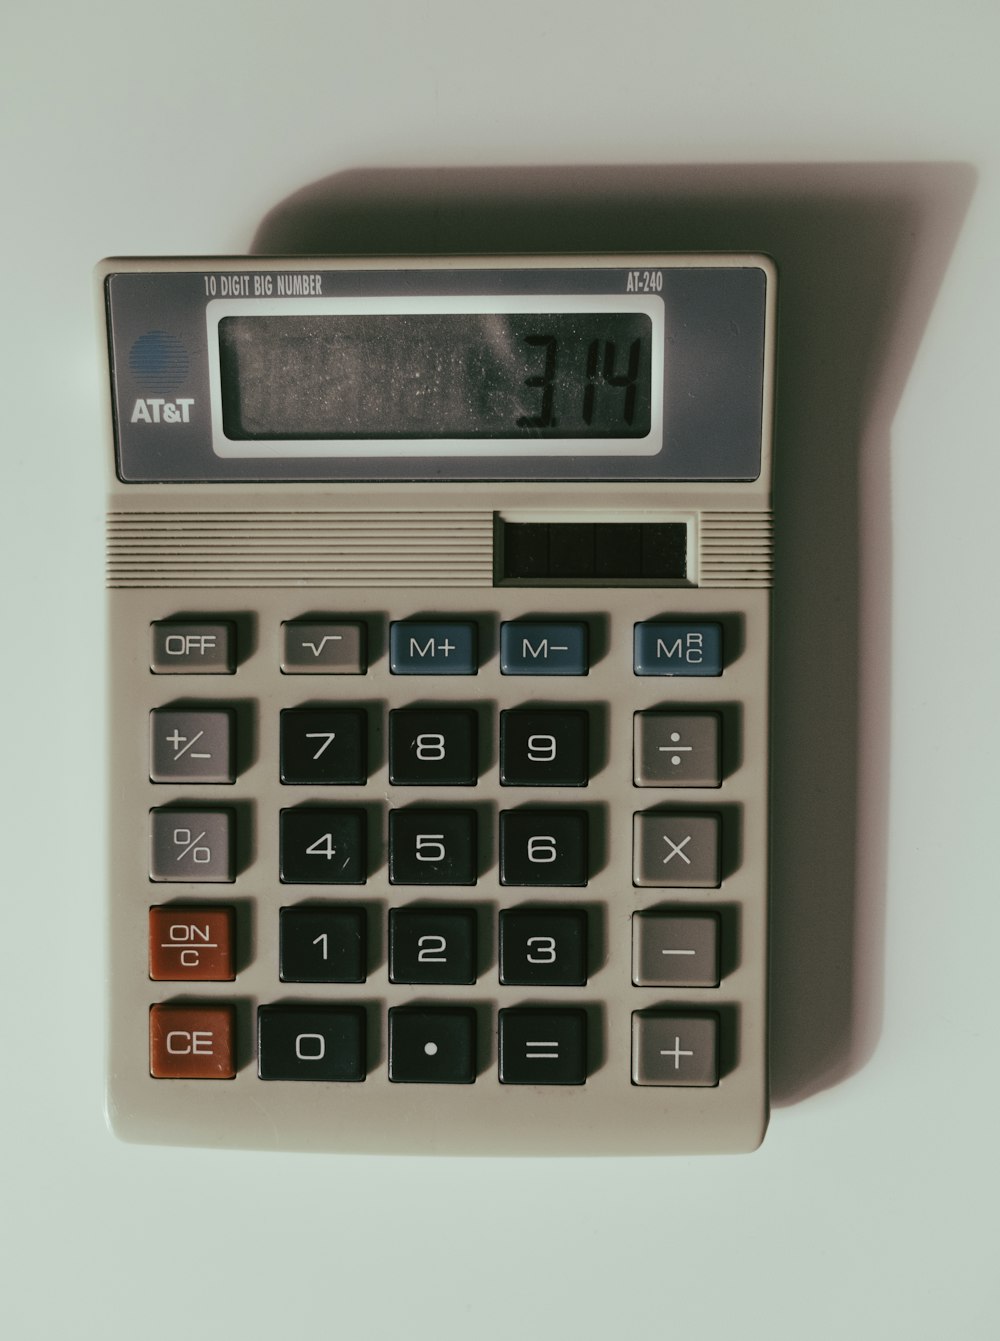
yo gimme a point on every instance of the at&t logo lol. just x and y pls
(156, 410)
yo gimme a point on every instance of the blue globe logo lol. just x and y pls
(159, 361)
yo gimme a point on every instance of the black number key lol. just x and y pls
(434, 747)
(543, 847)
(322, 944)
(323, 846)
(432, 945)
(543, 749)
(432, 847)
(315, 1042)
(543, 947)
(324, 745)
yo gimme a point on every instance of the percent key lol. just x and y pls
(192, 846)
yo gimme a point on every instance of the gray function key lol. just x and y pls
(193, 648)
(323, 648)
(673, 749)
(674, 851)
(675, 949)
(193, 846)
(191, 745)
(675, 1049)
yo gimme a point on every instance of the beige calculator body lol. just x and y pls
(439, 672)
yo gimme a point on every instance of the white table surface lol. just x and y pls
(857, 143)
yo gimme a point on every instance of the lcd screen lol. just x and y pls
(465, 375)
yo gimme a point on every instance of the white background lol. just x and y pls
(857, 141)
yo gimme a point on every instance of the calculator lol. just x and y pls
(439, 608)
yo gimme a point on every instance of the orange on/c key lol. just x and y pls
(188, 944)
(192, 1042)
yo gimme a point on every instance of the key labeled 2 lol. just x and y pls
(432, 945)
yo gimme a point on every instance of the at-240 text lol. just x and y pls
(644, 281)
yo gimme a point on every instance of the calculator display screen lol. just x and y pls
(509, 375)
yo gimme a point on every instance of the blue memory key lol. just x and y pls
(432, 648)
(678, 649)
(530, 648)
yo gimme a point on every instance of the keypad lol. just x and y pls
(530, 933)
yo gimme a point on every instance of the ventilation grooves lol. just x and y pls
(736, 549)
(300, 549)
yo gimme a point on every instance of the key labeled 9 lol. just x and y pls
(541, 748)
